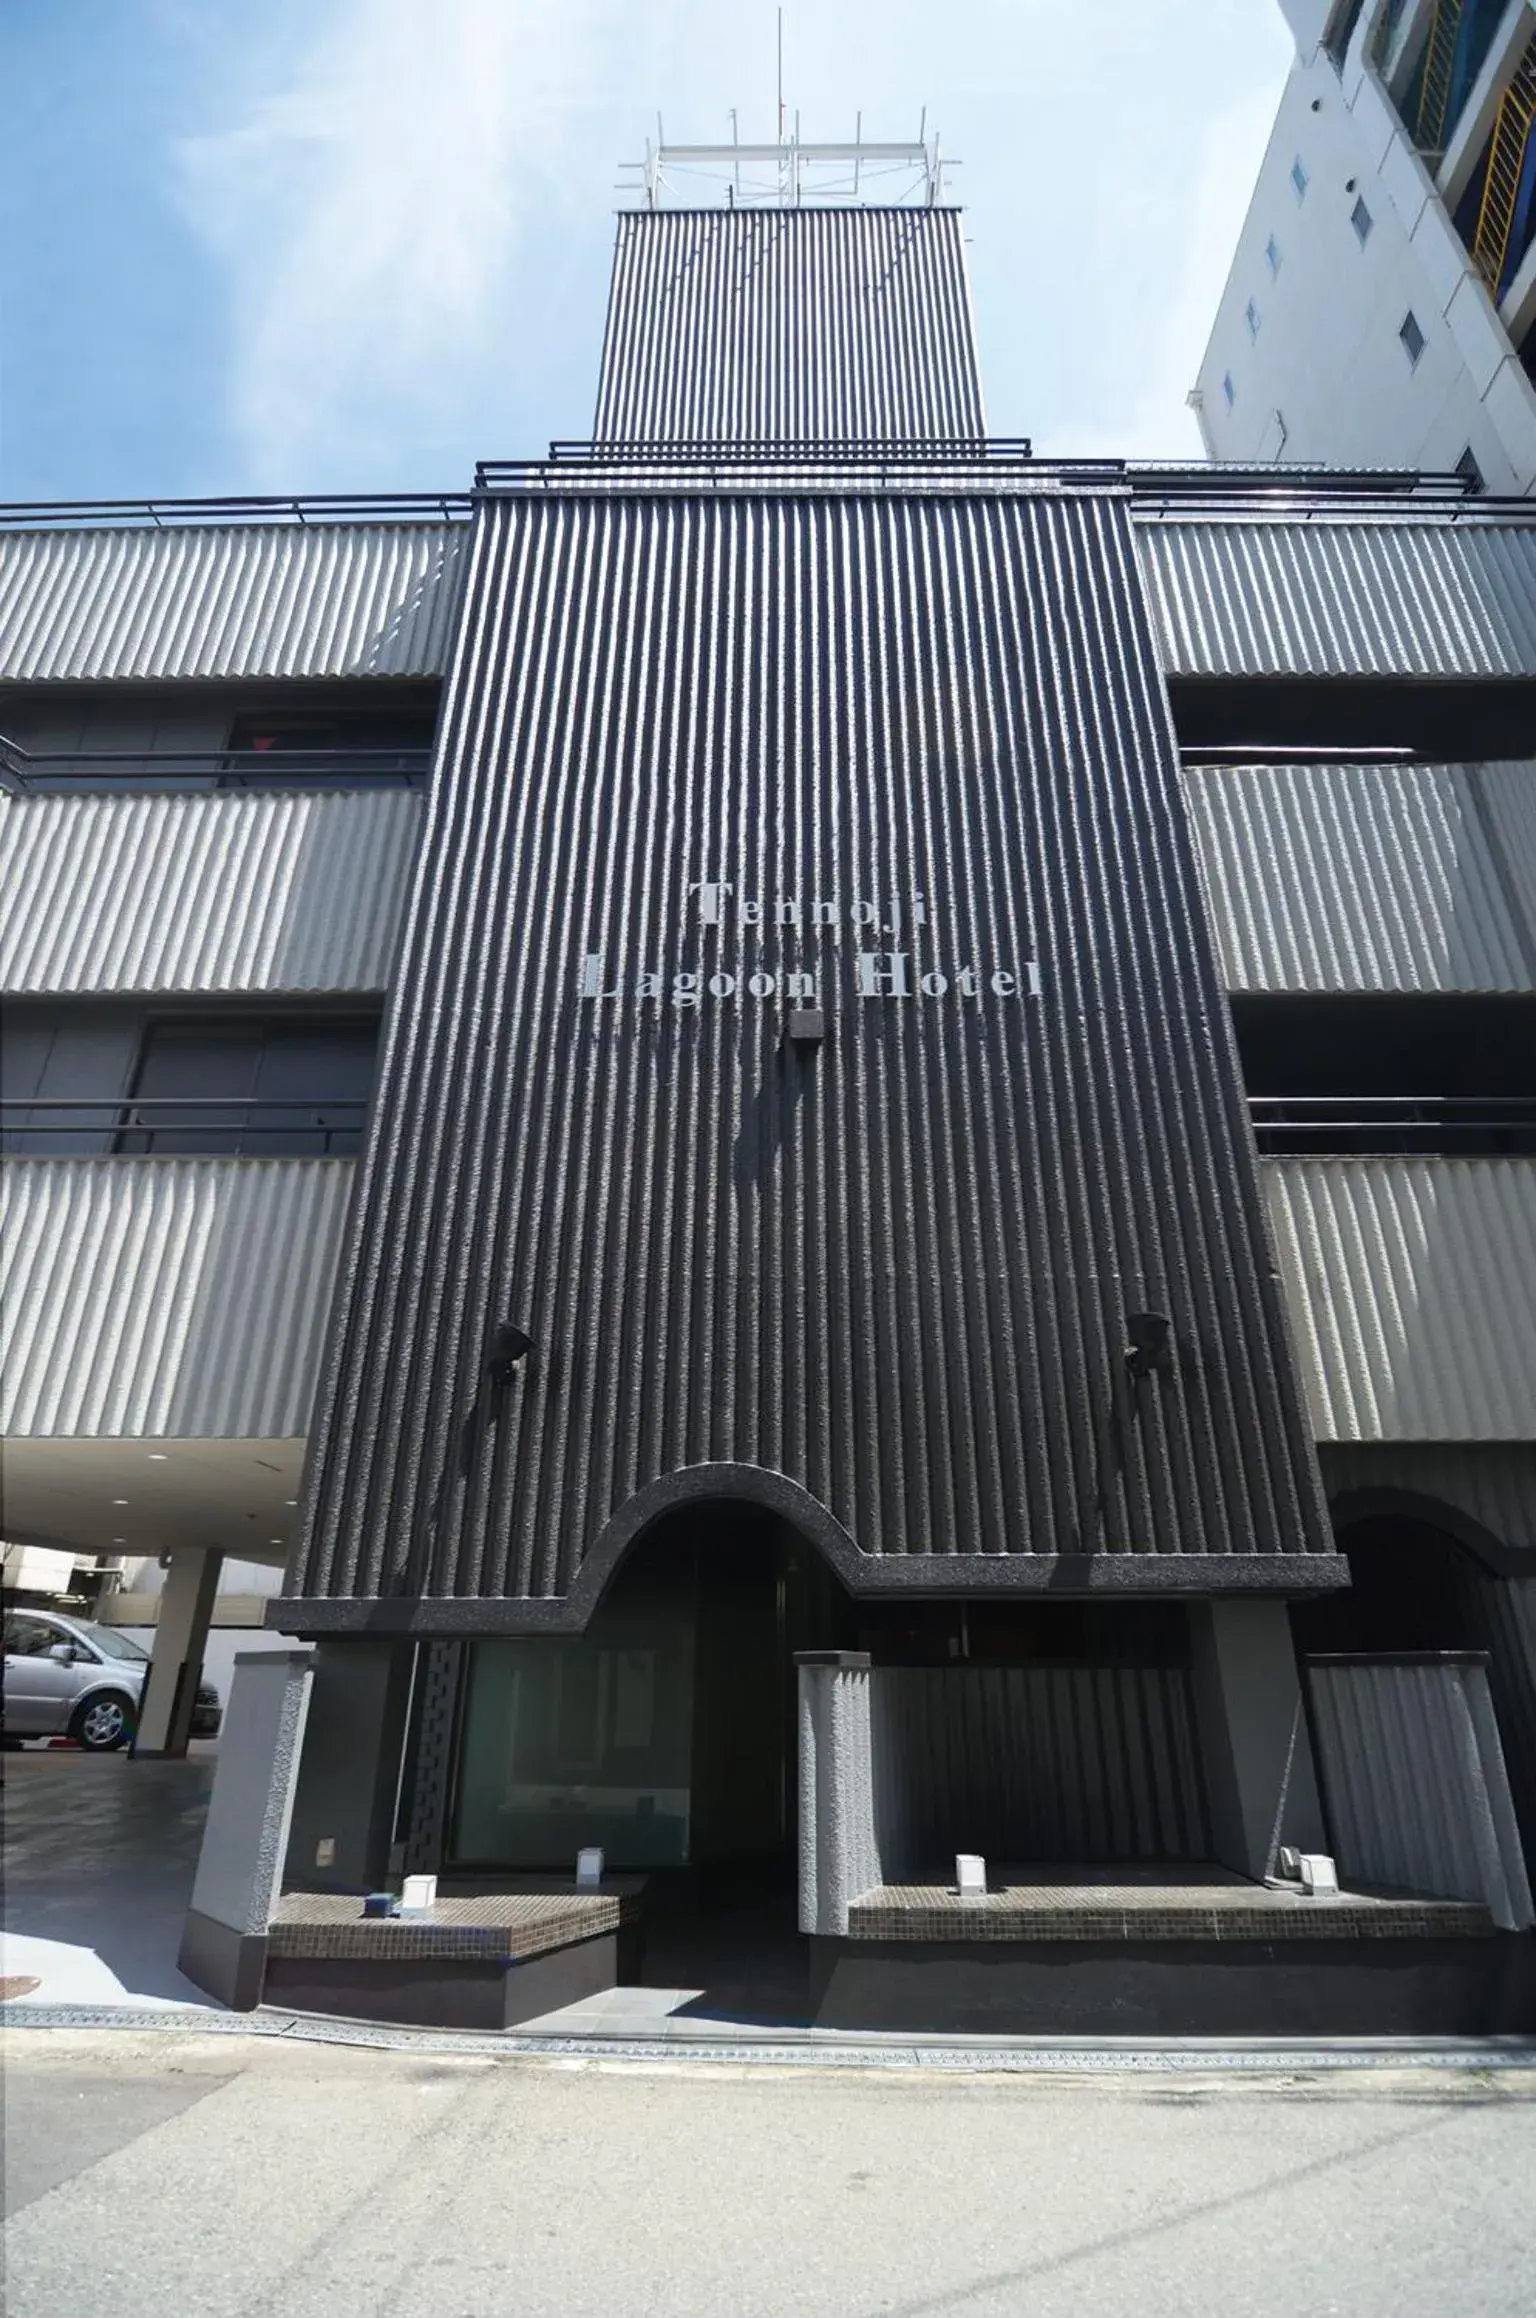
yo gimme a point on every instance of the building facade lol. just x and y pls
(1382, 297)
(789, 1040)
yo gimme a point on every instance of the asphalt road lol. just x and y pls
(221, 2175)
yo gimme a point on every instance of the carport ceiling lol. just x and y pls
(148, 1497)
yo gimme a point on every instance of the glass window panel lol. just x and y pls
(581, 1740)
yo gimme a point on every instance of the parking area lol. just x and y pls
(99, 1856)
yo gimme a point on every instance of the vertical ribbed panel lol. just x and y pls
(1509, 794)
(179, 1298)
(893, 1267)
(287, 891)
(1035, 1762)
(1336, 598)
(1360, 877)
(1412, 1287)
(799, 325)
(1414, 1782)
(204, 600)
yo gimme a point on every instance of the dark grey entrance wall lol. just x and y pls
(892, 1267)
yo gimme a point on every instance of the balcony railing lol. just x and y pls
(25, 772)
(1453, 1126)
(181, 1126)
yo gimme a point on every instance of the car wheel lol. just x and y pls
(100, 1724)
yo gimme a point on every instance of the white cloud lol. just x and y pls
(366, 203)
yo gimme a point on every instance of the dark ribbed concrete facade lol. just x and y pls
(891, 1270)
(795, 325)
(720, 756)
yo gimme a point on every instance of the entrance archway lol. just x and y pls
(665, 1731)
(1425, 1577)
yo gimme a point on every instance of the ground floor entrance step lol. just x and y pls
(483, 1960)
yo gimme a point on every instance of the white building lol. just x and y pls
(1381, 303)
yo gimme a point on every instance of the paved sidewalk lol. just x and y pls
(98, 1861)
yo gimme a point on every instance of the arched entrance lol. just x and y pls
(666, 1730)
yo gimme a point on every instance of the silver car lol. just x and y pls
(66, 1677)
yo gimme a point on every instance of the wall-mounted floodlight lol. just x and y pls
(508, 1345)
(1150, 1343)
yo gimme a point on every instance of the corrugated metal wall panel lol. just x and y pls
(1509, 793)
(178, 1298)
(1338, 598)
(1358, 877)
(1415, 1784)
(242, 600)
(1412, 1287)
(789, 325)
(893, 1269)
(1493, 1481)
(1034, 1763)
(291, 890)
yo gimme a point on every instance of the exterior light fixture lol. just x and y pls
(807, 1026)
(508, 1345)
(1149, 1348)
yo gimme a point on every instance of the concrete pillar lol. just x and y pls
(176, 1661)
(839, 1848)
(1254, 1744)
(224, 1940)
(344, 1808)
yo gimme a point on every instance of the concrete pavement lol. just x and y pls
(99, 1858)
(234, 2177)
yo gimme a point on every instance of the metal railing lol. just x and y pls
(49, 771)
(183, 1126)
(1404, 1125)
(322, 507)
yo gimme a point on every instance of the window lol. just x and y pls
(30, 1638)
(1229, 390)
(1252, 317)
(1272, 254)
(1360, 219)
(1413, 338)
(338, 748)
(1470, 472)
(1299, 178)
(242, 1085)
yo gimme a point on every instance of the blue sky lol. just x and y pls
(309, 245)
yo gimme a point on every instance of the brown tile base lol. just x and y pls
(444, 1991)
(1171, 1987)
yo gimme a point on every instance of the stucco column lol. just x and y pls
(1254, 1745)
(239, 1869)
(839, 1850)
(176, 1661)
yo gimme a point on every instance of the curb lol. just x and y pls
(1007, 2055)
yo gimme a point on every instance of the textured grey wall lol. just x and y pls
(244, 1843)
